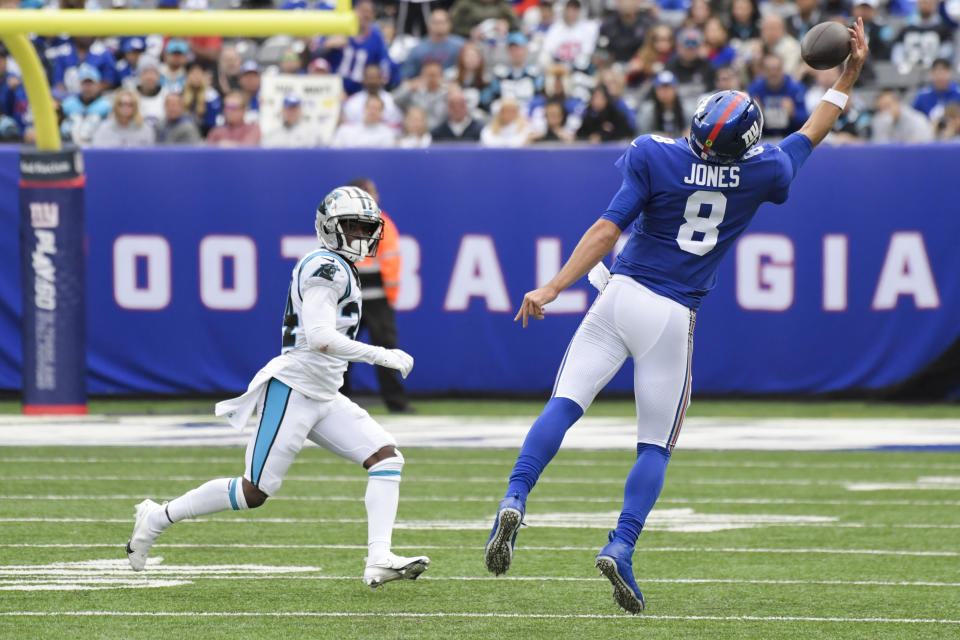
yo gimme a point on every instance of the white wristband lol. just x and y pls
(836, 98)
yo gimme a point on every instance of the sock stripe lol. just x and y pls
(386, 472)
(233, 498)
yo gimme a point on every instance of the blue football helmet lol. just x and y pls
(725, 126)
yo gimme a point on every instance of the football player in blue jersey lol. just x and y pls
(696, 196)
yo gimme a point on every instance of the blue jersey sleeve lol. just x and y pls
(798, 148)
(634, 192)
(794, 151)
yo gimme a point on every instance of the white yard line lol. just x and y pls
(239, 545)
(359, 477)
(458, 525)
(674, 464)
(9, 576)
(452, 614)
(808, 434)
(544, 499)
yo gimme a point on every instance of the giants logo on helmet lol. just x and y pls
(752, 135)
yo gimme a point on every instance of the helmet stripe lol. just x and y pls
(723, 118)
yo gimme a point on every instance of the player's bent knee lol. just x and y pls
(388, 452)
(253, 495)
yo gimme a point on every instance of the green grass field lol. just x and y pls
(857, 564)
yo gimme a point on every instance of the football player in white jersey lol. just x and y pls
(296, 397)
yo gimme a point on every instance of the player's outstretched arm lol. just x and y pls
(821, 121)
(319, 315)
(597, 242)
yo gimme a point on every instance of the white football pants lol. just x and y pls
(288, 418)
(629, 320)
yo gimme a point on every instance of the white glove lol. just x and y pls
(395, 359)
(599, 276)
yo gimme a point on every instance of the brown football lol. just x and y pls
(826, 45)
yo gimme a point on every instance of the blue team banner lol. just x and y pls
(853, 284)
(52, 266)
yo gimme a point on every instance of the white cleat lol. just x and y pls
(138, 546)
(394, 567)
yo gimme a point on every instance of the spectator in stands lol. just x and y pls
(623, 30)
(293, 131)
(427, 92)
(776, 40)
(439, 46)
(688, 65)
(250, 88)
(467, 14)
(719, 51)
(380, 286)
(556, 130)
(415, 135)
(853, 125)
(234, 132)
(200, 100)
(353, 107)
(744, 16)
(124, 127)
(781, 98)
(616, 85)
(349, 56)
(697, 15)
(177, 127)
(470, 74)
(823, 80)
(459, 125)
(227, 77)
(371, 132)
(663, 113)
(78, 51)
(879, 35)
(174, 70)
(132, 49)
(13, 97)
(652, 58)
(896, 122)
(949, 129)
(318, 67)
(150, 93)
(206, 50)
(781, 8)
(942, 90)
(807, 15)
(537, 20)
(925, 38)
(291, 62)
(517, 80)
(84, 112)
(602, 121)
(508, 128)
(569, 39)
(726, 79)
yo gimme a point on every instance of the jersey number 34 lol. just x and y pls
(696, 224)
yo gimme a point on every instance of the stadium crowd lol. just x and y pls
(496, 74)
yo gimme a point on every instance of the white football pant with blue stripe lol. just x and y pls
(630, 320)
(288, 419)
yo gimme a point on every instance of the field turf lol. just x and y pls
(741, 545)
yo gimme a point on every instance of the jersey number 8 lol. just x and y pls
(695, 223)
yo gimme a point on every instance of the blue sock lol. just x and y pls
(641, 491)
(542, 443)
